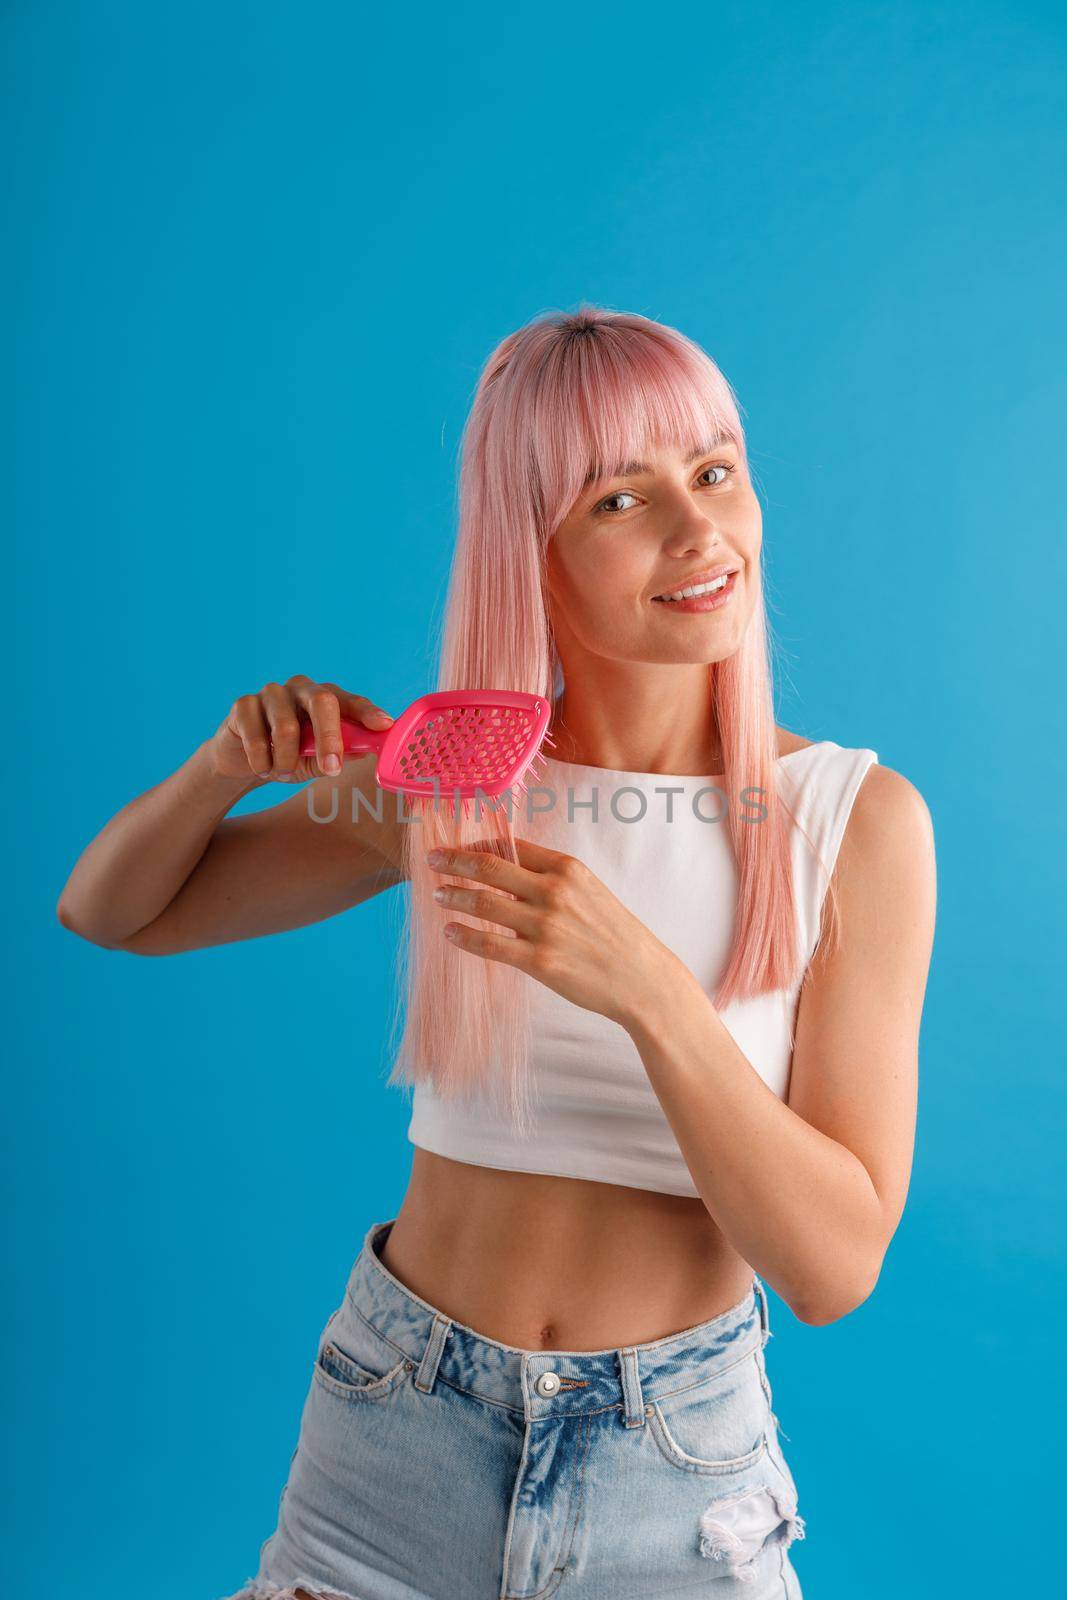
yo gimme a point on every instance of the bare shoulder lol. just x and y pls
(890, 814)
(887, 853)
(887, 810)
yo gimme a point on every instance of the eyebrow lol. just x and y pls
(632, 468)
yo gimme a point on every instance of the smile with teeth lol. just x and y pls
(697, 589)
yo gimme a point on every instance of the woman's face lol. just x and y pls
(649, 532)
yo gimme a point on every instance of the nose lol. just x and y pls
(691, 529)
(698, 537)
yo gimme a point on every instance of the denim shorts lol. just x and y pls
(436, 1464)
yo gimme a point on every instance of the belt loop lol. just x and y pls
(764, 1310)
(426, 1376)
(633, 1404)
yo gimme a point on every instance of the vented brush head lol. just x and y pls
(457, 743)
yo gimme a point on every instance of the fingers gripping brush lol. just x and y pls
(458, 743)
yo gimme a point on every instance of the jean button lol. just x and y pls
(547, 1385)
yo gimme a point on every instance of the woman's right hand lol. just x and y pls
(260, 735)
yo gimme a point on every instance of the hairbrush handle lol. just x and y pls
(358, 740)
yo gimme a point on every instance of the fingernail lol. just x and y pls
(331, 763)
(383, 716)
(435, 858)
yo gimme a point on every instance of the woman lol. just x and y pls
(668, 1048)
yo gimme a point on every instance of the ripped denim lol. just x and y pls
(435, 1464)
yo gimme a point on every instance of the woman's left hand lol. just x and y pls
(570, 931)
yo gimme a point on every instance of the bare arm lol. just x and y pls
(170, 872)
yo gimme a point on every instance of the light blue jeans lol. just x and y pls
(435, 1464)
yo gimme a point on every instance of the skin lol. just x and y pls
(807, 1191)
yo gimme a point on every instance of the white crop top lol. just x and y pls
(595, 1113)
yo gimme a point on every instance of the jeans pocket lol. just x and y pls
(716, 1427)
(355, 1361)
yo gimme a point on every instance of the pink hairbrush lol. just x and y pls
(459, 742)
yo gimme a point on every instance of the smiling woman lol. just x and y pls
(565, 551)
(659, 1054)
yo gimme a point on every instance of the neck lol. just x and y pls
(659, 729)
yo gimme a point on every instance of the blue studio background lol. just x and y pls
(254, 258)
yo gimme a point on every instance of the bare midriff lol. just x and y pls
(548, 1263)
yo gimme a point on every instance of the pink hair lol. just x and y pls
(563, 394)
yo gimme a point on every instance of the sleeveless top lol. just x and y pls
(659, 844)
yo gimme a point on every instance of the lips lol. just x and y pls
(709, 601)
(695, 578)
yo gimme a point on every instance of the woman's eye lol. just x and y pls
(620, 494)
(723, 467)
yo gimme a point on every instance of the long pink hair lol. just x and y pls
(566, 393)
